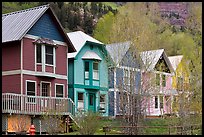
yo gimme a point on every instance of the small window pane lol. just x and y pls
(80, 96)
(39, 54)
(95, 65)
(86, 66)
(49, 55)
(96, 74)
(86, 70)
(49, 50)
(31, 91)
(59, 90)
(30, 86)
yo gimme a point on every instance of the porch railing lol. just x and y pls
(36, 105)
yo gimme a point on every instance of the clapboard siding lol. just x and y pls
(11, 54)
(45, 27)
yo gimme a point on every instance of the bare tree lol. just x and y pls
(52, 121)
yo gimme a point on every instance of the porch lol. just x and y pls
(36, 105)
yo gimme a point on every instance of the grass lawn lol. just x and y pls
(148, 131)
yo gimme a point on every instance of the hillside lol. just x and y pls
(72, 15)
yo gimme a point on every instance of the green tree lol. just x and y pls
(103, 27)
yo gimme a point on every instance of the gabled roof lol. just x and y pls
(175, 60)
(16, 24)
(78, 39)
(150, 59)
(118, 50)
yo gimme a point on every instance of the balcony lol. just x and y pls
(36, 105)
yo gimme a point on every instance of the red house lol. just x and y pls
(34, 67)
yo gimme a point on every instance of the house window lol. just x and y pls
(45, 53)
(157, 79)
(30, 91)
(59, 91)
(164, 80)
(156, 102)
(95, 71)
(132, 79)
(45, 89)
(80, 101)
(49, 55)
(102, 101)
(39, 54)
(126, 77)
(123, 101)
(86, 70)
(161, 101)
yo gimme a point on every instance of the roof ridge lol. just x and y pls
(20, 11)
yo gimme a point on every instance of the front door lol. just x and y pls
(45, 92)
(92, 102)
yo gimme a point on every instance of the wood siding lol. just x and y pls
(11, 56)
(28, 54)
(61, 60)
(46, 27)
(11, 84)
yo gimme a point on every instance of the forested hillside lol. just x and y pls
(72, 15)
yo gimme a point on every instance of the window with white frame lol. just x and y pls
(47, 55)
(80, 101)
(126, 77)
(95, 71)
(59, 90)
(39, 53)
(30, 89)
(102, 101)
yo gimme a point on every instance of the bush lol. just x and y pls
(88, 122)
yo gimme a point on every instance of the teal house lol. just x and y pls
(88, 74)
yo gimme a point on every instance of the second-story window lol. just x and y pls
(49, 55)
(39, 54)
(95, 71)
(45, 54)
(86, 70)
